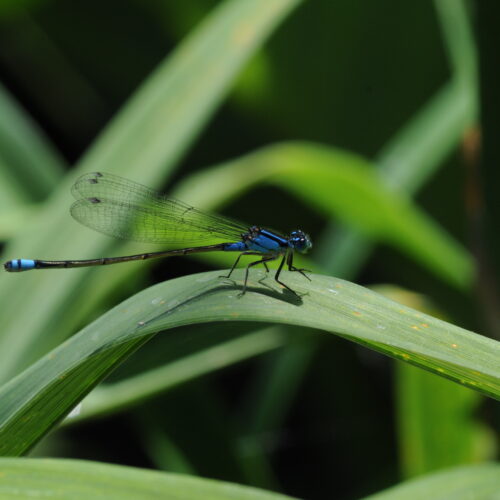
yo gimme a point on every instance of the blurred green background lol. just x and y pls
(394, 82)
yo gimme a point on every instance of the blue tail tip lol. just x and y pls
(18, 265)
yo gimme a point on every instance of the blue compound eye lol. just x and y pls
(300, 241)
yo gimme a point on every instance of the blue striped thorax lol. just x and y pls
(266, 241)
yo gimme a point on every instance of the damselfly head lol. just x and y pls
(300, 241)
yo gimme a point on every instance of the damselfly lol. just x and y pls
(124, 209)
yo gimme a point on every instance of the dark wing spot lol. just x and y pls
(94, 200)
(94, 180)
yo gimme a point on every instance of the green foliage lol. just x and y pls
(318, 80)
(51, 387)
(77, 479)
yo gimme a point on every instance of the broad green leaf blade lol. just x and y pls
(339, 184)
(24, 478)
(478, 482)
(38, 398)
(143, 142)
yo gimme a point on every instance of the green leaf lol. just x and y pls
(147, 138)
(478, 482)
(24, 478)
(38, 398)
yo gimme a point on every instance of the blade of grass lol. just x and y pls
(79, 479)
(459, 41)
(42, 395)
(480, 482)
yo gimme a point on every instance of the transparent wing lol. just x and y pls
(125, 209)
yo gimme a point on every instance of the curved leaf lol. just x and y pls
(43, 394)
(80, 479)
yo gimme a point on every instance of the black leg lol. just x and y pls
(261, 261)
(277, 275)
(291, 267)
(237, 260)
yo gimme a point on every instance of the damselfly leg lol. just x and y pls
(291, 267)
